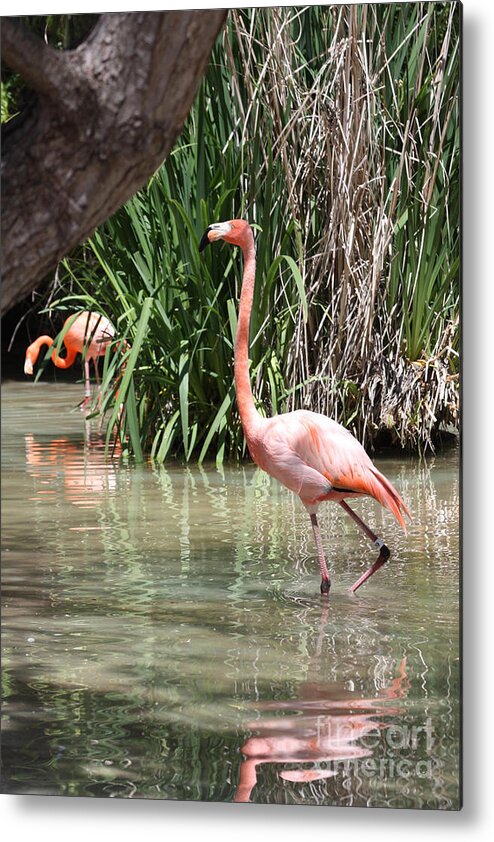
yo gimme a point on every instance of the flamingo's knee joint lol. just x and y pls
(384, 552)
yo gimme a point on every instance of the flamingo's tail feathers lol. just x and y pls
(388, 496)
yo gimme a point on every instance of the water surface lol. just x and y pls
(164, 636)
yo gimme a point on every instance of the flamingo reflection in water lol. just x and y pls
(333, 720)
(64, 466)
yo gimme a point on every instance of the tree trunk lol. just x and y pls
(106, 116)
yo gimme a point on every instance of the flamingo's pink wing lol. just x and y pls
(315, 457)
(90, 330)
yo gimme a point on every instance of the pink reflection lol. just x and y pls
(325, 723)
(84, 473)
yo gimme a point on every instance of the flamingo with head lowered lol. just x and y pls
(309, 453)
(86, 333)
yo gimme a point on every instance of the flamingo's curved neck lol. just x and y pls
(249, 415)
(64, 362)
(32, 352)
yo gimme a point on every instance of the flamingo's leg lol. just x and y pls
(87, 385)
(384, 552)
(325, 580)
(98, 380)
(96, 371)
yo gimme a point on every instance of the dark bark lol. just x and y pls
(105, 117)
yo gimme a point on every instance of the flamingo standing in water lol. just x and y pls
(307, 452)
(85, 333)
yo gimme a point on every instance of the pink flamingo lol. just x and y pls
(85, 333)
(308, 452)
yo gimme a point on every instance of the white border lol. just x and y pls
(54, 818)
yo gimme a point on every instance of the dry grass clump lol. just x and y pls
(366, 130)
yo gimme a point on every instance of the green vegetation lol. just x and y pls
(335, 131)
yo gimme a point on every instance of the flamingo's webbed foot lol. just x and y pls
(384, 555)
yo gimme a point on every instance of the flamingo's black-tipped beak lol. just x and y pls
(205, 239)
(215, 231)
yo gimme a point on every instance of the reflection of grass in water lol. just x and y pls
(122, 743)
(106, 744)
(175, 671)
(154, 634)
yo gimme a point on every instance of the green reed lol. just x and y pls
(334, 130)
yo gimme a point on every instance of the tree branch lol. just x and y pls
(40, 65)
(103, 127)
